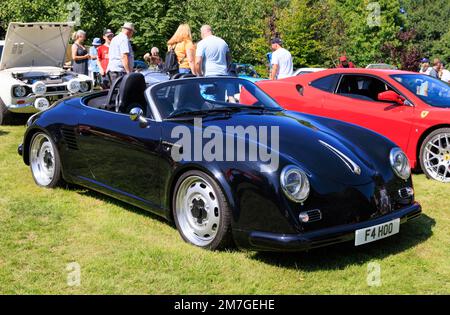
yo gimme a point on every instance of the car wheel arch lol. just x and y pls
(423, 136)
(222, 182)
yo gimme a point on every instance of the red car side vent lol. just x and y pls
(300, 89)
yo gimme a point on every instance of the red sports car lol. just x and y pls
(411, 109)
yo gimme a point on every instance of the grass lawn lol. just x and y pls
(123, 250)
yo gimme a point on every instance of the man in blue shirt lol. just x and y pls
(212, 57)
(121, 55)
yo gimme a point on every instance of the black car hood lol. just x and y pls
(320, 149)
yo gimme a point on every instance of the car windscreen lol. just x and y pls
(200, 96)
(432, 91)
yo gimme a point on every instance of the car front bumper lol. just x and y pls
(27, 108)
(265, 241)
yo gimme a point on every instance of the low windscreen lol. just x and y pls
(202, 96)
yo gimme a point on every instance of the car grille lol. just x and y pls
(406, 192)
(57, 89)
(69, 138)
(314, 215)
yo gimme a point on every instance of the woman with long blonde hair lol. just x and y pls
(181, 43)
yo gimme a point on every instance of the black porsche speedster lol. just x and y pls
(222, 160)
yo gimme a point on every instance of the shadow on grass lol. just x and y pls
(341, 255)
(107, 199)
(327, 258)
(2, 132)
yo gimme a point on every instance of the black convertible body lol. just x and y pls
(329, 181)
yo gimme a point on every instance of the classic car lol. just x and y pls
(411, 109)
(245, 71)
(381, 66)
(31, 73)
(301, 71)
(332, 181)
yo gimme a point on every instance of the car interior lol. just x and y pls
(361, 87)
(125, 94)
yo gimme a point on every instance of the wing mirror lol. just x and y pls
(137, 114)
(391, 96)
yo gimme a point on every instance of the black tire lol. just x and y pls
(223, 238)
(57, 180)
(424, 161)
(5, 114)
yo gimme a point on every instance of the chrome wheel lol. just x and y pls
(42, 159)
(197, 210)
(436, 157)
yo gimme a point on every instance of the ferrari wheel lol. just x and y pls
(201, 212)
(435, 155)
(45, 163)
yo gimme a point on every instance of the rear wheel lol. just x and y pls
(5, 114)
(201, 211)
(435, 155)
(45, 162)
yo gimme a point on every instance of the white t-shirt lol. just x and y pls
(120, 45)
(445, 76)
(283, 59)
(214, 51)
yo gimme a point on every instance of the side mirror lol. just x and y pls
(137, 114)
(391, 96)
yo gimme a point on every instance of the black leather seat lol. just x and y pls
(132, 93)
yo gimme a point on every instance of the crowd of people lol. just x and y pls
(106, 61)
(436, 70)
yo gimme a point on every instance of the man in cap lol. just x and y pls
(344, 63)
(282, 64)
(94, 69)
(425, 66)
(121, 56)
(103, 56)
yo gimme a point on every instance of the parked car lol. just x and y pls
(307, 70)
(411, 109)
(333, 182)
(381, 66)
(140, 65)
(245, 71)
(31, 73)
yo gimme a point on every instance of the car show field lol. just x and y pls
(121, 249)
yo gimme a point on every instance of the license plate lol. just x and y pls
(377, 232)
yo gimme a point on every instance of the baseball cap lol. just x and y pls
(107, 32)
(97, 41)
(425, 60)
(343, 58)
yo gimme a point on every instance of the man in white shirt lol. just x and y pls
(121, 56)
(282, 64)
(445, 74)
(212, 57)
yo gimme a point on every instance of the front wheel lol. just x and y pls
(45, 162)
(201, 211)
(435, 155)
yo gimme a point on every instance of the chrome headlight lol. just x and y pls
(20, 91)
(73, 86)
(400, 163)
(39, 88)
(84, 86)
(295, 183)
